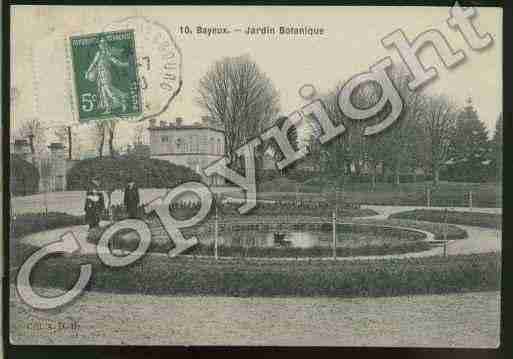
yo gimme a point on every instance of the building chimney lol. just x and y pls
(179, 121)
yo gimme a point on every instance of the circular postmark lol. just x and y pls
(158, 61)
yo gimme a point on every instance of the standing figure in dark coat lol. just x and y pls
(131, 199)
(94, 205)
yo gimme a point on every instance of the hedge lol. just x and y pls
(158, 274)
(24, 177)
(114, 172)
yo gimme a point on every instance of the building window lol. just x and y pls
(211, 146)
(179, 145)
(165, 138)
(219, 148)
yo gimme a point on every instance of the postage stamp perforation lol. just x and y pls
(69, 89)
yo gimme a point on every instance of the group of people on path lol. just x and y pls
(95, 202)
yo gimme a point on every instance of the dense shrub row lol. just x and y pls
(312, 252)
(301, 207)
(114, 172)
(488, 220)
(157, 274)
(24, 178)
(182, 210)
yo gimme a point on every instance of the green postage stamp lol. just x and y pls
(105, 72)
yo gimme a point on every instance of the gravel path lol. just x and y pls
(72, 202)
(456, 320)
(480, 240)
(386, 211)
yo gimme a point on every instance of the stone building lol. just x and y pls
(52, 167)
(58, 166)
(194, 146)
(22, 149)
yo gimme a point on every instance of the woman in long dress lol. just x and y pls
(100, 70)
(94, 205)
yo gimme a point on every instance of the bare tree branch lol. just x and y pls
(238, 95)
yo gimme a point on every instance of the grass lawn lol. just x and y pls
(447, 194)
(28, 223)
(487, 220)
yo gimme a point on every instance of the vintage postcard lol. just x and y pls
(278, 176)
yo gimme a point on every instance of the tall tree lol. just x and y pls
(497, 146)
(274, 150)
(65, 135)
(33, 130)
(392, 148)
(105, 130)
(138, 134)
(438, 122)
(14, 102)
(339, 154)
(399, 142)
(111, 130)
(99, 136)
(470, 148)
(237, 94)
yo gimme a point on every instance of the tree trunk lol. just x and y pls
(348, 168)
(111, 140)
(31, 143)
(69, 143)
(383, 172)
(100, 147)
(357, 168)
(436, 176)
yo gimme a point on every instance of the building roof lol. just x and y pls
(206, 124)
(184, 127)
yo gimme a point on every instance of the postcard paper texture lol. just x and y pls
(289, 176)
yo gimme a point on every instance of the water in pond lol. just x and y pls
(304, 239)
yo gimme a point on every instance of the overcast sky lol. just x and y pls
(351, 44)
